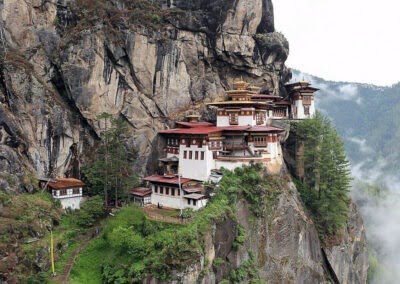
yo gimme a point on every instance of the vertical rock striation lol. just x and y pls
(59, 73)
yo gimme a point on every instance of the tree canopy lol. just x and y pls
(326, 179)
(111, 173)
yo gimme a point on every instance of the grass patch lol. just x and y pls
(133, 246)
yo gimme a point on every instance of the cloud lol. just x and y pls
(331, 91)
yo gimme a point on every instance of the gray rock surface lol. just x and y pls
(57, 76)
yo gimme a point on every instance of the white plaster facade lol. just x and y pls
(70, 199)
(173, 201)
(192, 168)
(195, 204)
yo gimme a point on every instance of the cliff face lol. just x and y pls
(282, 246)
(63, 65)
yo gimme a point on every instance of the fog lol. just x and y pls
(376, 193)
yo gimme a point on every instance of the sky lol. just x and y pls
(342, 40)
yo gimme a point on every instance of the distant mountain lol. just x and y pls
(367, 117)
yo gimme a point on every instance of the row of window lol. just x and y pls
(172, 142)
(190, 155)
(194, 202)
(63, 192)
(167, 190)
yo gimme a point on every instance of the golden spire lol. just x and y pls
(240, 84)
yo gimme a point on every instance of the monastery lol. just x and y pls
(243, 134)
(68, 191)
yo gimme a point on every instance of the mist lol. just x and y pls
(374, 190)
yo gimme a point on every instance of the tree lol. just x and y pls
(112, 170)
(326, 178)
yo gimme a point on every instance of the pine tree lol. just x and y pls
(326, 174)
(112, 171)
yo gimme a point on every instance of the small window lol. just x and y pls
(306, 110)
(173, 191)
(63, 192)
(202, 155)
(76, 191)
(188, 201)
(196, 155)
(190, 155)
(179, 192)
(161, 190)
(167, 190)
(156, 189)
(234, 118)
(194, 202)
(185, 154)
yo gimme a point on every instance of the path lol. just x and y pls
(63, 277)
(156, 214)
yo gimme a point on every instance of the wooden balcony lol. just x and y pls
(235, 146)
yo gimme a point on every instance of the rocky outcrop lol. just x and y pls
(349, 259)
(59, 72)
(284, 245)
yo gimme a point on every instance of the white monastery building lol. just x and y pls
(242, 134)
(68, 190)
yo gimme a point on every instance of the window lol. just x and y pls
(63, 192)
(185, 154)
(234, 118)
(306, 110)
(196, 155)
(167, 190)
(190, 155)
(161, 190)
(188, 201)
(260, 141)
(173, 191)
(75, 191)
(194, 202)
(156, 189)
(259, 118)
(202, 155)
(179, 192)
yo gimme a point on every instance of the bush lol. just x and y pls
(90, 212)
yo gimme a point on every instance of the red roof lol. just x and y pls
(193, 189)
(197, 130)
(194, 124)
(166, 179)
(141, 191)
(253, 128)
(63, 183)
(212, 129)
(265, 129)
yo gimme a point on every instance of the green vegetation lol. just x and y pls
(247, 270)
(111, 172)
(25, 220)
(326, 180)
(133, 246)
(114, 18)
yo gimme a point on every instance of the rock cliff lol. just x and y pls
(65, 62)
(281, 246)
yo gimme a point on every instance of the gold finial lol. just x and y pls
(240, 84)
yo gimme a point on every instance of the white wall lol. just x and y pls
(71, 202)
(196, 169)
(166, 200)
(300, 109)
(199, 204)
(222, 121)
(312, 109)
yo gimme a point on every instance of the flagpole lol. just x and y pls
(52, 253)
